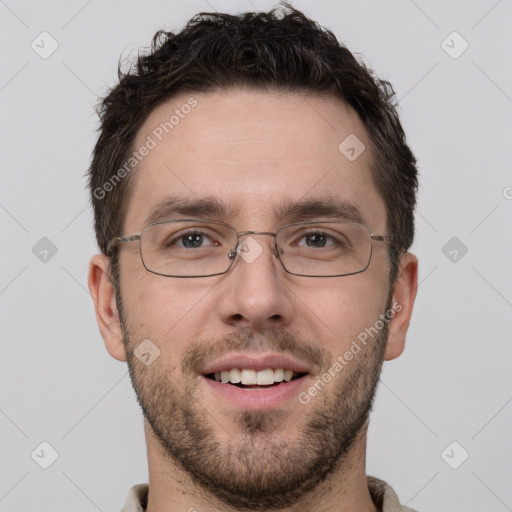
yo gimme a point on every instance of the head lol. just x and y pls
(242, 120)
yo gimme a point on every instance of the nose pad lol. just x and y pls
(250, 249)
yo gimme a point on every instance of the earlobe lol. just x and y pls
(404, 295)
(107, 316)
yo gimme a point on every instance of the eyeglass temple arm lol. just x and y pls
(383, 238)
(121, 240)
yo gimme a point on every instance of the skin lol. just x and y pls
(253, 149)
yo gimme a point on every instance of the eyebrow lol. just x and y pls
(287, 210)
(318, 207)
(198, 208)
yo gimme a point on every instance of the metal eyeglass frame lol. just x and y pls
(232, 255)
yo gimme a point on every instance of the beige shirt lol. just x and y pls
(383, 496)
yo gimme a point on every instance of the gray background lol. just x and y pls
(57, 382)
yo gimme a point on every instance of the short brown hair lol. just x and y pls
(277, 50)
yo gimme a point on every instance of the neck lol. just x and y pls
(172, 489)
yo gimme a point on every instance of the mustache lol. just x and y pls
(276, 340)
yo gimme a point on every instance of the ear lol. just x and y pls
(404, 294)
(107, 316)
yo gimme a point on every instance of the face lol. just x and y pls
(256, 446)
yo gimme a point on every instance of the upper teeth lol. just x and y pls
(253, 377)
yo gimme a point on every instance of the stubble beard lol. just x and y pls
(258, 469)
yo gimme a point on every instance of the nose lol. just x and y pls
(254, 293)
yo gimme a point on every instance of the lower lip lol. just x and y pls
(257, 398)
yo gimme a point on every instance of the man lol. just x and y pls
(253, 197)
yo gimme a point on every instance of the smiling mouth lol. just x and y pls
(253, 379)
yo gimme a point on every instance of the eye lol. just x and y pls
(318, 239)
(191, 240)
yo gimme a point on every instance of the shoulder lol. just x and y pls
(137, 499)
(384, 497)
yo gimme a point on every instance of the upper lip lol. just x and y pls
(255, 363)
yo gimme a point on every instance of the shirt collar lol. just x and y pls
(384, 497)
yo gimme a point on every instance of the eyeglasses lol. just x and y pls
(204, 248)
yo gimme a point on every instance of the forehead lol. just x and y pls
(253, 155)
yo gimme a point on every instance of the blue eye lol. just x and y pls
(191, 240)
(317, 239)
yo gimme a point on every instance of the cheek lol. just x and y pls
(342, 310)
(163, 310)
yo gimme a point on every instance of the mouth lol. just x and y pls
(249, 379)
(256, 381)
